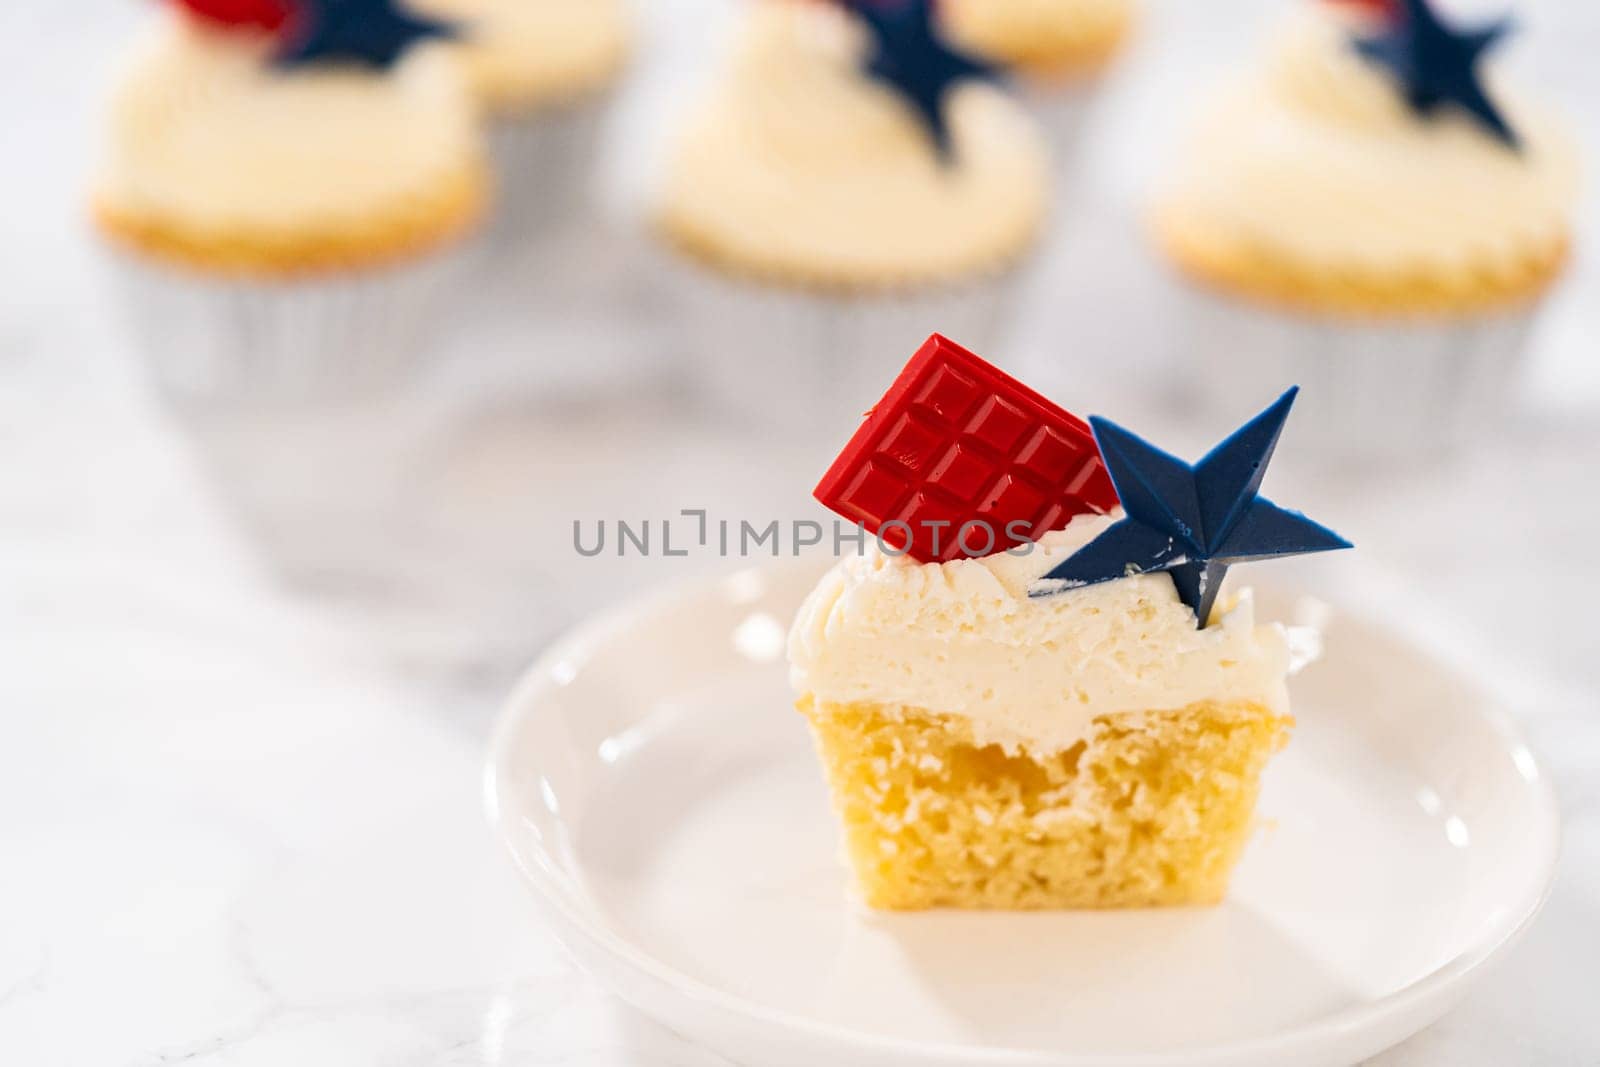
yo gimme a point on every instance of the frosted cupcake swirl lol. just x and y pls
(216, 154)
(1315, 167)
(963, 638)
(801, 168)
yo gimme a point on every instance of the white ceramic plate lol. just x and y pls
(662, 799)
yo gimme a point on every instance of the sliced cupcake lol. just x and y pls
(851, 173)
(1029, 691)
(285, 187)
(1371, 213)
(544, 71)
(1059, 49)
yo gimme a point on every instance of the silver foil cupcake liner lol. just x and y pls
(264, 342)
(1371, 390)
(1062, 112)
(545, 162)
(807, 361)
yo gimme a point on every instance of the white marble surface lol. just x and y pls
(239, 814)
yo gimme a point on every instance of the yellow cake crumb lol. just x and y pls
(1149, 809)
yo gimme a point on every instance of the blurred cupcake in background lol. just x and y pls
(1058, 50)
(851, 179)
(286, 183)
(544, 72)
(1370, 216)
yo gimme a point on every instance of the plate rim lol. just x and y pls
(1426, 999)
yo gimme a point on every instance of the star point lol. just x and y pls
(912, 57)
(372, 33)
(1436, 64)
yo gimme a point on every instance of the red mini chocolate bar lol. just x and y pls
(959, 459)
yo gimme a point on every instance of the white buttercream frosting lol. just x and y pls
(525, 54)
(801, 166)
(207, 135)
(965, 639)
(1317, 158)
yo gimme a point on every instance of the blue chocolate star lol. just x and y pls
(1437, 65)
(373, 33)
(1192, 521)
(912, 57)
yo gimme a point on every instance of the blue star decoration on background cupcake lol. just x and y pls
(1437, 65)
(1192, 521)
(910, 55)
(371, 33)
